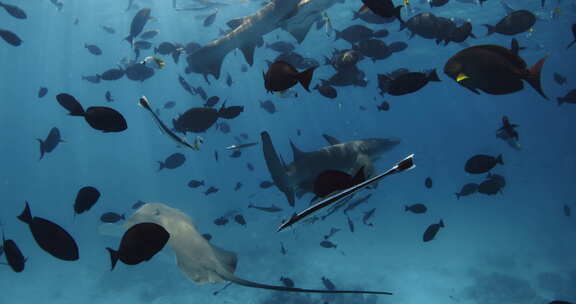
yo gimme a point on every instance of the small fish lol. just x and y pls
(92, 78)
(221, 221)
(207, 236)
(560, 79)
(266, 184)
(282, 249)
(287, 282)
(10, 37)
(86, 199)
(482, 163)
(271, 209)
(368, 215)
(250, 166)
(150, 34)
(428, 182)
(138, 204)
(236, 154)
(42, 92)
(173, 161)
(229, 81)
(327, 91)
(328, 284)
(567, 211)
(268, 106)
(384, 106)
(14, 11)
(132, 251)
(466, 190)
(108, 29)
(238, 218)
(51, 142)
(210, 19)
(195, 183)
(14, 257)
(212, 101)
(93, 49)
(211, 190)
(111, 217)
(169, 104)
(350, 224)
(200, 91)
(431, 231)
(216, 155)
(238, 186)
(108, 96)
(416, 208)
(328, 244)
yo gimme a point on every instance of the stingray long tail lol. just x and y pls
(246, 283)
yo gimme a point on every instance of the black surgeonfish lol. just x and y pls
(139, 244)
(173, 161)
(138, 23)
(50, 237)
(198, 120)
(85, 199)
(10, 37)
(482, 163)
(515, 46)
(493, 69)
(14, 11)
(431, 231)
(282, 76)
(14, 256)
(100, 118)
(383, 8)
(410, 82)
(515, 23)
(573, 34)
(466, 190)
(51, 142)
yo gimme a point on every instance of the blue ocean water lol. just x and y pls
(514, 247)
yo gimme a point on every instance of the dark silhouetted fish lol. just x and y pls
(112, 217)
(93, 49)
(50, 237)
(282, 76)
(482, 163)
(490, 187)
(398, 46)
(327, 91)
(10, 37)
(169, 104)
(238, 186)
(139, 244)
(51, 142)
(195, 183)
(268, 106)
(266, 184)
(108, 96)
(221, 221)
(137, 24)
(211, 190)
(567, 211)
(494, 70)
(139, 72)
(138, 204)
(212, 101)
(431, 231)
(108, 29)
(287, 282)
(85, 199)
(229, 81)
(42, 92)
(570, 97)
(14, 11)
(508, 133)
(173, 161)
(383, 33)
(14, 256)
(328, 244)
(113, 74)
(328, 284)
(210, 19)
(560, 79)
(467, 189)
(368, 215)
(354, 34)
(416, 208)
(238, 218)
(100, 118)
(410, 82)
(515, 23)
(270, 209)
(150, 34)
(92, 78)
(428, 182)
(384, 106)
(383, 8)
(574, 35)
(369, 17)
(350, 224)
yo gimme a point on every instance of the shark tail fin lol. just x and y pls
(306, 77)
(276, 168)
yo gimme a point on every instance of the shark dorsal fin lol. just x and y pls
(248, 51)
(296, 153)
(331, 140)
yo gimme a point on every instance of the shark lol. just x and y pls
(297, 178)
(294, 16)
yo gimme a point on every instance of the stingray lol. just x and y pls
(200, 261)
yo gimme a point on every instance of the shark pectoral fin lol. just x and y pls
(299, 33)
(248, 52)
(276, 168)
(330, 139)
(296, 153)
(227, 259)
(364, 163)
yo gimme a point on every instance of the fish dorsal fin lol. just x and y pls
(299, 33)
(248, 52)
(296, 153)
(330, 139)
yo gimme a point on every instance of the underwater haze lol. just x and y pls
(509, 237)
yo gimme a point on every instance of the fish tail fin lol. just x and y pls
(26, 215)
(276, 168)
(41, 148)
(499, 159)
(406, 208)
(457, 195)
(306, 77)
(160, 166)
(433, 76)
(113, 257)
(534, 76)
(571, 44)
(489, 28)
(355, 15)
(560, 100)
(441, 223)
